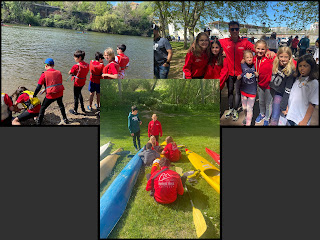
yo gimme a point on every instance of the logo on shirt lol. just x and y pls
(241, 48)
(135, 118)
(198, 60)
(155, 46)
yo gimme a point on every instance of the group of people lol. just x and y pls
(261, 69)
(164, 184)
(52, 81)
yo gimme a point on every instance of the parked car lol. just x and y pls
(284, 41)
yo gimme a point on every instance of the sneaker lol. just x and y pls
(96, 106)
(229, 113)
(89, 108)
(66, 121)
(235, 116)
(266, 123)
(73, 112)
(259, 118)
(244, 122)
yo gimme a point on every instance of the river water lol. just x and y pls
(24, 50)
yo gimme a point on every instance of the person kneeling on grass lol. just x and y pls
(165, 184)
(148, 155)
(171, 150)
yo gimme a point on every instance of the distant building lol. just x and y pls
(133, 6)
(314, 26)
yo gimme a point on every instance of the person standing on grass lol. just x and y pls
(281, 83)
(134, 123)
(248, 86)
(197, 58)
(79, 72)
(304, 93)
(233, 48)
(171, 150)
(154, 127)
(263, 66)
(96, 68)
(217, 67)
(303, 45)
(52, 80)
(162, 52)
(165, 184)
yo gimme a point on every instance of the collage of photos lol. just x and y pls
(160, 80)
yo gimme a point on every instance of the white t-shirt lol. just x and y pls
(302, 93)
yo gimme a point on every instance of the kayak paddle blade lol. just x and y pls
(199, 222)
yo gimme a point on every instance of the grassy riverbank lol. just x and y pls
(143, 217)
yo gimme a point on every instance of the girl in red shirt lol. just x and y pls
(111, 70)
(171, 150)
(217, 67)
(197, 58)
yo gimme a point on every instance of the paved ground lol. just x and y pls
(229, 122)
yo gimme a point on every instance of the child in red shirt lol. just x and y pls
(197, 58)
(79, 72)
(111, 70)
(122, 60)
(6, 109)
(154, 127)
(96, 68)
(171, 150)
(30, 103)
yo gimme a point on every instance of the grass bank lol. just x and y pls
(178, 59)
(143, 217)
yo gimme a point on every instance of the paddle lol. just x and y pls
(198, 218)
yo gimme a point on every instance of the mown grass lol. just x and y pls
(143, 217)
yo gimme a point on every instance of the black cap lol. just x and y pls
(155, 27)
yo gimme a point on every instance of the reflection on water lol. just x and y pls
(24, 50)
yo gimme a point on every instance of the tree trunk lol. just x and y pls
(154, 85)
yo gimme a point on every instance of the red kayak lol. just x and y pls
(214, 155)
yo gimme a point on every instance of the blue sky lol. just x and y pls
(116, 2)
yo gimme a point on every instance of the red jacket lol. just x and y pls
(264, 66)
(294, 43)
(195, 66)
(96, 71)
(215, 71)
(172, 152)
(80, 72)
(167, 186)
(154, 128)
(234, 53)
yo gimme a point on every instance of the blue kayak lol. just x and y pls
(114, 201)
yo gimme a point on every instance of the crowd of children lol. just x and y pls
(52, 81)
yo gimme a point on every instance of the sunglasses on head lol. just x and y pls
(234, 29)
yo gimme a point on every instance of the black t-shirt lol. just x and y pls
(160, 47)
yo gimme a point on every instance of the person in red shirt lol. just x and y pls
(52, 80)
(155, 144)
(197, 58)
(6, 109)
(154, 127)
(171, 150)
(294, 45)
(111, 70)
(233, 48)
(217, 67)
(96, 68)
(165, 184)
(79, 73)
(32, 105)
(122, 60)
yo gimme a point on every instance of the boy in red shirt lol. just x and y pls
(79, 72)
(166, 185)
(52, 80)
(122, 60)
(154, 127)
(111, 70)
(171, 150)
(96, 68)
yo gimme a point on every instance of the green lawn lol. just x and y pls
(143, 217)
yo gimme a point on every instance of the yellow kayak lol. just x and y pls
(208, 171)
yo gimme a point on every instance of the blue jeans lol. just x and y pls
(161, 72)
(275, 115)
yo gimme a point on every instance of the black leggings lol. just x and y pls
(232, 80)
(134, 137)
(46, 103)
(77, 97)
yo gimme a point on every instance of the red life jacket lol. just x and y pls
(107, 67)
(123, 61)
(81, 76)
(95, 72)
(53, 81)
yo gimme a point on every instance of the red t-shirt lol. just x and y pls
(24, 98)
(167, 186)
(111, 68)
(195, 66)
(96, 69)
(154, 128)
(220, 72)
(294, 43)
(234, 53)
(42, 81)
(172, 152)
(80, 70)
